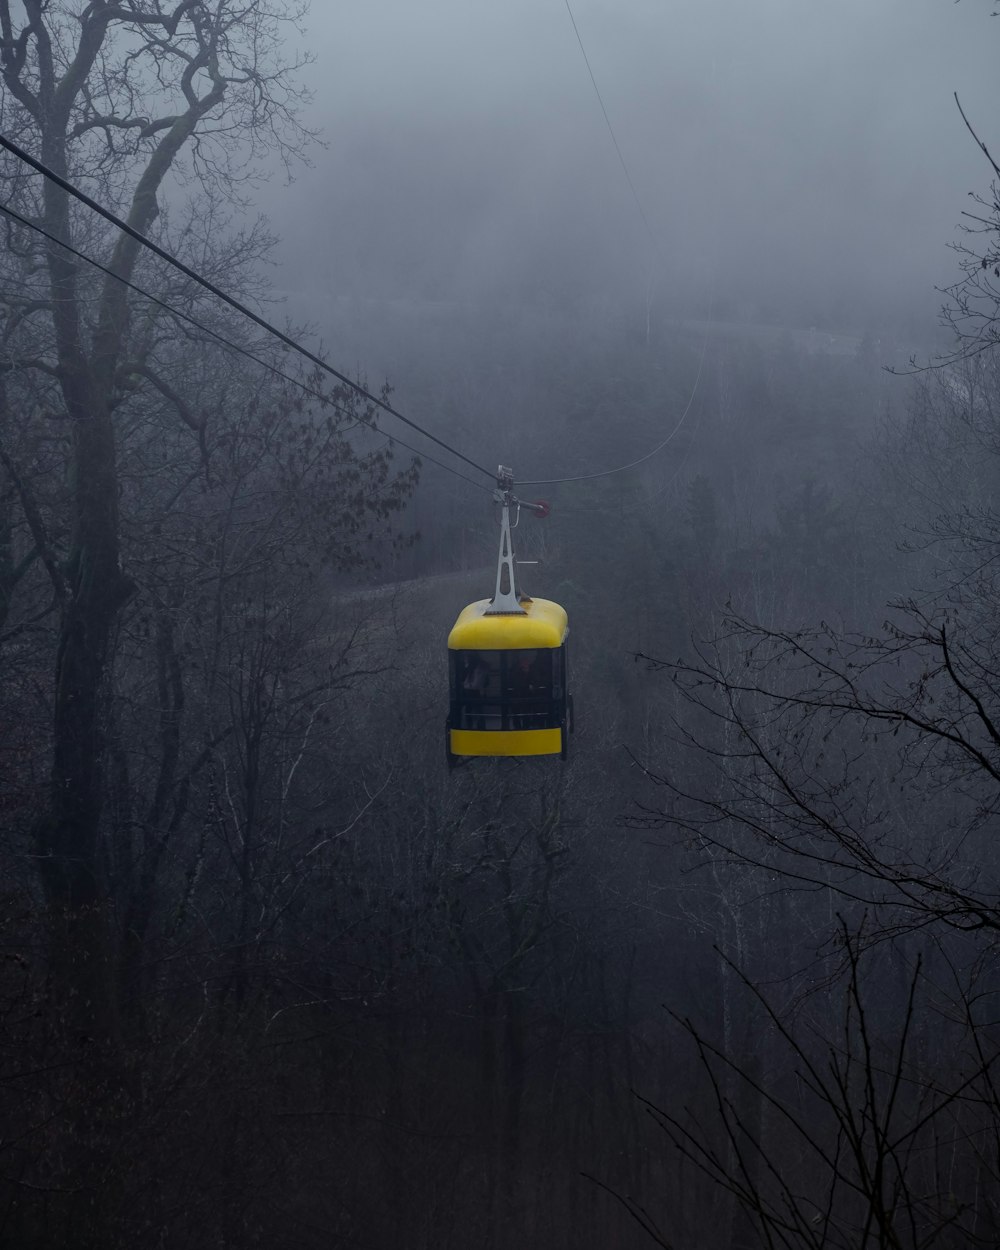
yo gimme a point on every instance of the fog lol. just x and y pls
(799, 164)
(663, 911)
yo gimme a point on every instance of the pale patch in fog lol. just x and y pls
(806, 162)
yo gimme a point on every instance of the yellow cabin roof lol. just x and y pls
(543, 625)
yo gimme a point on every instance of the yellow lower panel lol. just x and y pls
(506, 742)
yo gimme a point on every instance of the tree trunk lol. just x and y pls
(68, 835)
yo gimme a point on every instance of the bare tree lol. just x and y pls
(872, 1136)
(122, 97)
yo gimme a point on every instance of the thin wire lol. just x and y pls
(588, 477)
(611, 132)
(231, 346)
(674, 476)
(77, 194)
(317, 360)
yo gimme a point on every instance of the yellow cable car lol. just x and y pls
(507, 664)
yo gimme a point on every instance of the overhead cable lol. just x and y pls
(230, 345)
(587, 477)
(633, 464)
(611, 132)
(147, 243)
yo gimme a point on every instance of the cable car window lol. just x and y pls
(559, 674)
(529, 688)
(477, 685)
(507, 689)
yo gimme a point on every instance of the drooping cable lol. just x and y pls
(239, 307)
(587, 477)
(611, 131)
(229, 345)
(633, 464)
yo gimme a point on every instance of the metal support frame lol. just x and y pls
(507, 599)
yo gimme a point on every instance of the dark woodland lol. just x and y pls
(270, 974)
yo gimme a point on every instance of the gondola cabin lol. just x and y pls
(507, 662)
(507, 681)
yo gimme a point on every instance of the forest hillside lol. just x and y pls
(272, 973)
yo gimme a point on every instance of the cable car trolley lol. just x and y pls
(507, 661)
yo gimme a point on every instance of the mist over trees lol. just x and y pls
(270, 974)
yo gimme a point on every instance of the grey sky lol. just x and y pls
(794, 152)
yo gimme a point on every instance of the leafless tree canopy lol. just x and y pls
(270, 975)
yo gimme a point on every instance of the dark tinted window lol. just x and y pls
(507, 689)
